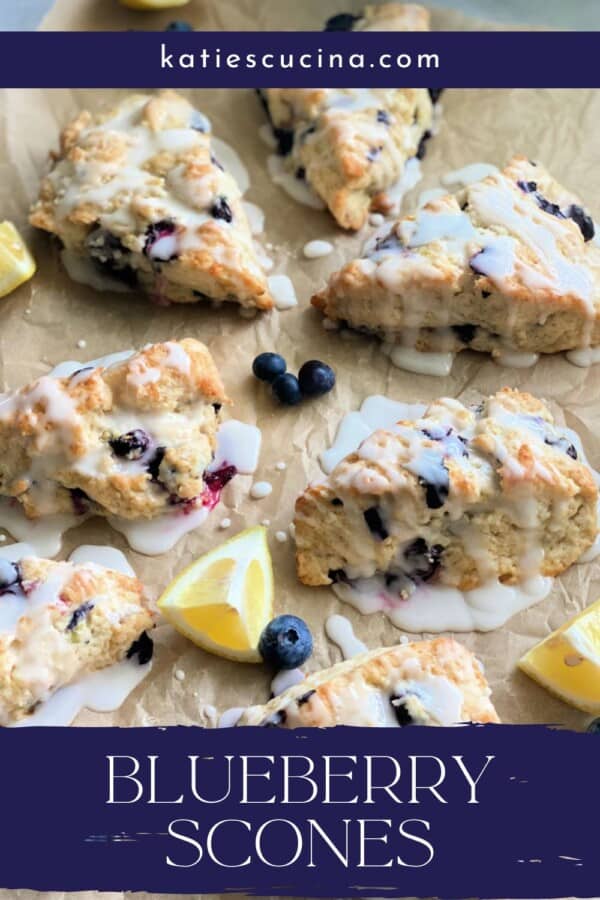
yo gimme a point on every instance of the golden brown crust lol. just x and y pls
(145, 170)
(508, 264)
(490, 489)
(66, 442)
(75, 619)
(359, 691)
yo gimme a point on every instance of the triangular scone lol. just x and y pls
(436, 682)
(462, 497)
(507, 264)
(352, 144)
(62, 620)
(138, 199)
(133, 440)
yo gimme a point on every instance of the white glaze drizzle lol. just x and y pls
(339, 630)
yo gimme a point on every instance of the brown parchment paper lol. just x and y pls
(41, 323)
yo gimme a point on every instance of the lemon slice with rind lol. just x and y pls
(153, 4)
(567, 662)
(224, 600)
(17, 265)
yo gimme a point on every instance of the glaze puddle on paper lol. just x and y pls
(238, 445)
(102, 691)
(430, 607)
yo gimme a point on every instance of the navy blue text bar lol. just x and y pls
(299, 59)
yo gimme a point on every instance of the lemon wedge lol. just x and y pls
(17, 265)
(224, 600)
(153, 4)
(567, 662)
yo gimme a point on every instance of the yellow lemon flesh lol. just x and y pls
(153, 4)
(567, 662)
(17, 265)
(223, 601)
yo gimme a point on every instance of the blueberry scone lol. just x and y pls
(137, 197)
(133, 440)
(508, 264)
(59, 621)
(351, 145)
(464, 496)
(436, 682)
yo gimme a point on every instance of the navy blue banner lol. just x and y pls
(485, 811)
(299, 59)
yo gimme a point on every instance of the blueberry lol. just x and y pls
(131, 445)
(422, 148)
(221, 210)
(528, 187)
(316, 378)
(300, 173)
(286, 642)
(287, 390)
(562, 444)
(373, 153)
(422, 560)
(154, 464)
(435, 94)
(154, 234)
(341, 22)
(337, 576)
(435, 494)
(9, 574)
(143, 648)
(594, 727)
(383, 117)
(179, 25)
(305, 698)
(465, 333)
(285, 140)
(216, 481)
(375, 523)
(110, 256)
(402, 714)
(553, 209)
(583, 220)
(268, 366)
(79, 614)
(80, 501)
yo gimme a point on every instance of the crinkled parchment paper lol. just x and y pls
(41, 323)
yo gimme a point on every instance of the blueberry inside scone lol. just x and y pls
(60, 621)
(436, 682)
(350, 145)
(461, 497)
(508, 264)
(134, 440)
(138, 199)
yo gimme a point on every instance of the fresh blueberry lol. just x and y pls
(375, 523)
(341, 22)
(268, 366)
(221, 210)
(131, 445)
(287, 390)
(143, 648)
(583, 221)
(286, 642)
(9, 575)
(594, 726)
(316, 378)
(179, 25)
